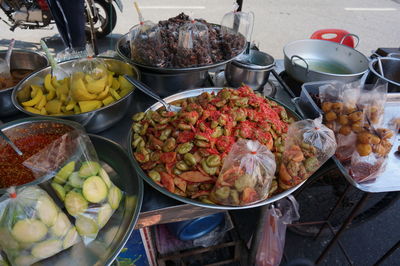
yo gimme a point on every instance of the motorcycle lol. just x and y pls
(35, 14)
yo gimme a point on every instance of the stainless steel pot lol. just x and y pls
(20, 59)
(318, 60)
(94, 121)
(251, 69)
(391, 72)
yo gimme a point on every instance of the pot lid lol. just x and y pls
(255, 60)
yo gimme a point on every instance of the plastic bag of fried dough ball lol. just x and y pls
(246, 174)
(309, 144)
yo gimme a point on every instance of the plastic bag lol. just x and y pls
(146, 44)
(372, 102)
(236, 28)
(32, 226)
(372, 149)
(309, 144)
(276, 219)
(79, 181)
(193, 45)
(246, 174)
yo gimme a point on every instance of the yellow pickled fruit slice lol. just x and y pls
(35, 89)
(115, 94)
(41, 104)
(51, 95)
(124, 84)
(102, 95)
(108, 100)
(70, 106)
(115, 84)
(33, 110)
(87, 106)
(55, 82)
(53, 107)
(110, 78)
(35, 100)
(48, 83)
(97, 86)
(122, 93)
(79, 92)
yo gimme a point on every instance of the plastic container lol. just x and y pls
(192, 229)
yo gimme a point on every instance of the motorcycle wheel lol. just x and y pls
(105, 21)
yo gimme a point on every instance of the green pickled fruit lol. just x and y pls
(24, 260)
(89, 168)
(59, 190)
(75, 203)
(105, 212)
(62, 175)
(47, 210)
(29, 230)
(86, 226)
(7, 241)
(114, 197)
(75, 180)
(61, 226)
(94, 189)
(46, 248)
(71, 238)
(106, 178)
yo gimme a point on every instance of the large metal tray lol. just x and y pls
(111, 238)
(125, 38)
(388, 180)
(193, 93)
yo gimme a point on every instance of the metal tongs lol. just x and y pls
(141, 86)
(13, 146)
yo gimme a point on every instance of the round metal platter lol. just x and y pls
(124, 39)
(114, 235)
(189, 94)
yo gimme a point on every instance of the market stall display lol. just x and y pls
(97, 99)
(33, 227)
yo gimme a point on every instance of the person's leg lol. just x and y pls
(69, 16)
(74, 14)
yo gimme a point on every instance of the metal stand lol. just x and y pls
(388, 253)
(348, 220)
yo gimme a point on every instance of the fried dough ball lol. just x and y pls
(384, 133)
(326, 106)
(330, 116)
(364, 149)
(356, 116)
(357, 127)
(337, 107)
(364, 137)
(343, 120)
(345, 130)
(375, 140)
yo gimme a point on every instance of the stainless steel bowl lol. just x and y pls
(139, 170)
(391, 72)
(167, 81)
(94, 121)
(251, 69)
(111, 238)
(20, 59)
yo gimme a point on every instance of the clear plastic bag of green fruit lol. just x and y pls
(33, 227)
(246, 175)
(79, 180)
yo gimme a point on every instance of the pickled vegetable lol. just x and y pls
(94, 189)
(75, 181)
(62, 175)
(89, 169)
(46, 248)
(103, 174)
(47, 210)
(86, 226)
(114, 197)
(7, 241)
(29, 230)
(104, 215)
(71, 238)
(75, 203)
(59, 190)
(61, 226)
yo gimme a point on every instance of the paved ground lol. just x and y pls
(276, 22)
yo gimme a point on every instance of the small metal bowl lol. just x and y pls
(94, 121)
(20, 59)
(251, 69)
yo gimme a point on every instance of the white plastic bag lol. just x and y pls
(276, 219)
